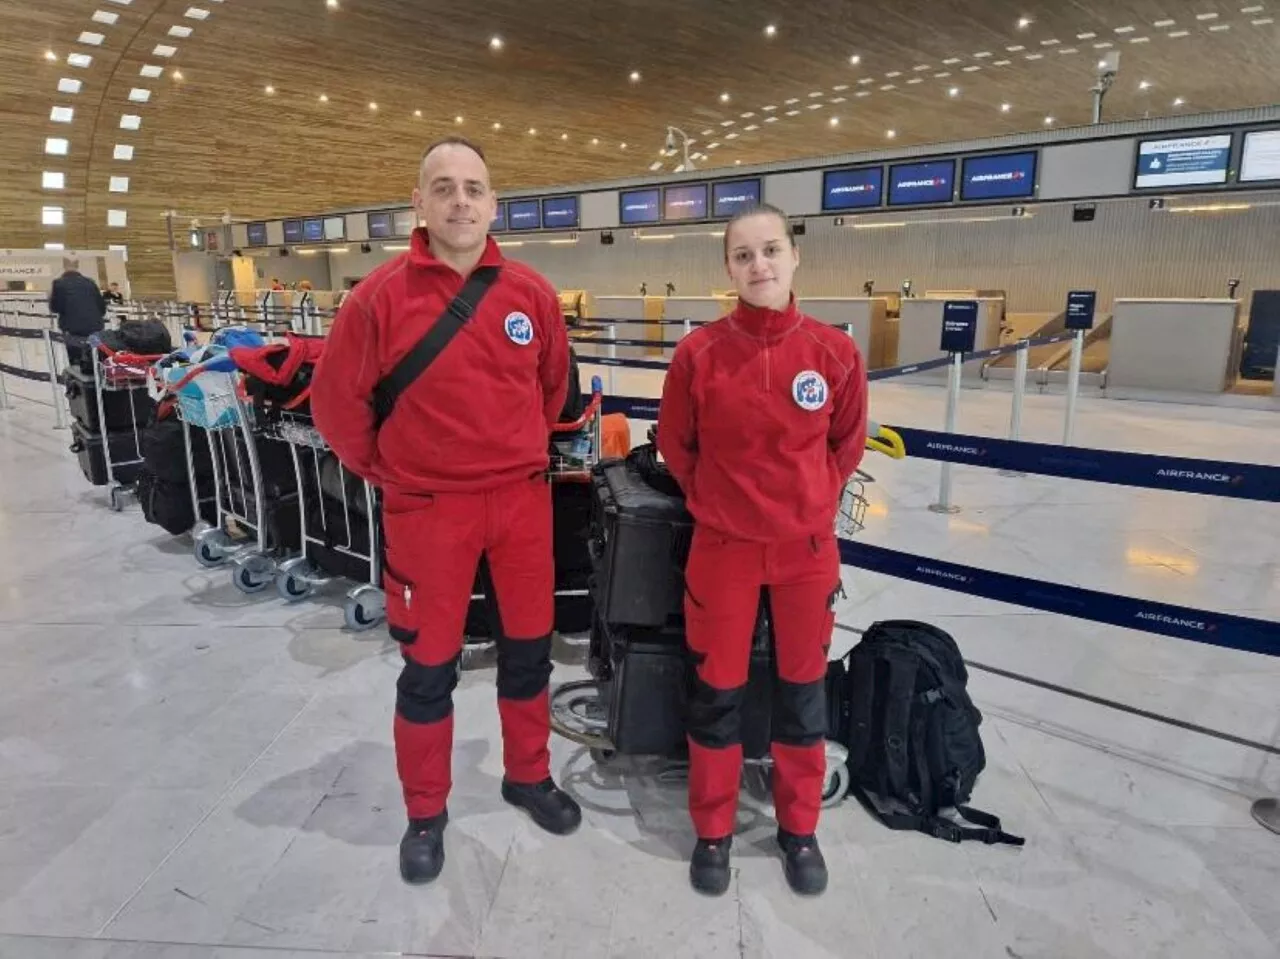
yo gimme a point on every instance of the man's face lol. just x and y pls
(453, 198)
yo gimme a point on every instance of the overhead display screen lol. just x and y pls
(685, 202)
(560, 213)
(293, 231)
(257, 234)
(1261, 158)
(335, 228)
(1009, 176)
(852, 189)
(404, 222)
(639, 206)
(499, 222)
(728, 199)
(1184, 161)
(914, 183)
(313, 230)
(523, 215)
(380, 226)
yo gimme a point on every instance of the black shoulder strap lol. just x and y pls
(414, 363)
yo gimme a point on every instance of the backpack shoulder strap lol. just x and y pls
(414, 363)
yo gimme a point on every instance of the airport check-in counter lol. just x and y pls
(865, 318)
(1176, 345)
(633, 318)
(920, 333)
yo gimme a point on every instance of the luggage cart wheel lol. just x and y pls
(252, 574)
(835, 786)
(294, 581)
(117, 498)
(364, 609)
(602, 757)
(211, 547)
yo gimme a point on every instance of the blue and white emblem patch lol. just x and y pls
(809, 390)
(519, 329)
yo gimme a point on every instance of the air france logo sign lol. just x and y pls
(926, 183)
(519, 329)
(854, 188)
(1008, 176)
(809, 390)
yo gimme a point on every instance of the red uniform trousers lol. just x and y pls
(724, 577)
(434, 545)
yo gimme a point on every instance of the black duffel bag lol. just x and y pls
(145, 337)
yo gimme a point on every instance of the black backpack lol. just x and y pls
(898, 703)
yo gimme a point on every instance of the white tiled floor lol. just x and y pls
(187, 773)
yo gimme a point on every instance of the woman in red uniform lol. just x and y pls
(763, 421)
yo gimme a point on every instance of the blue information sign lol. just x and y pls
(959, 325)
(1081, 305)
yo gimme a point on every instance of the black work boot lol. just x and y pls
(422, 849)
(550, 806)
(709, 867)
(805, 868)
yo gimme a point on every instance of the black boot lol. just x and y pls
(551, 807)
(805, 868)
(422, 849)
(709, 867)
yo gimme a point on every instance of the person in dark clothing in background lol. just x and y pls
(80, 308)
(113, 295)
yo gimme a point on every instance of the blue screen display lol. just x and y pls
(922, 183)
(1011, 176)
(293, 231)
(560, 213)
(257, 234)
(852, 189)
(524, 215)
(685, 202)
(499, 220)
(1183, 161)
(380, 226)
(313, 230)
(734, 196)
(639, 206)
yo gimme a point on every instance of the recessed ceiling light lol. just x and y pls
(1024, 22)
(56, 146)
(724, 98)
(331, 4)
(622, 146)
(953, 92)
(455, 119)
(1179, 102)
(855, 59)
(1048, 121)
(177, 74)
(564, 136)
(890, 133)
(497, 126)
(50, 55)
(269, 90)
(533, 131)
(372, 105)
(595, 141)
(1144, 85)
(1006, 107)
(324, 98)
(495, 43)
(634, 77)
(771, 31)
(834, 121)
(737, 163)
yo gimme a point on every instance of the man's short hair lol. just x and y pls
(456, 140)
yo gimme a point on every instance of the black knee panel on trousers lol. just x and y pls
(715, 716)
(524, 667)
(799, 713)
(424, 694)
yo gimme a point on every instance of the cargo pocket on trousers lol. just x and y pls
(829, 618)
(402, 620)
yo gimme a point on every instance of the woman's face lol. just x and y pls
(761, 260)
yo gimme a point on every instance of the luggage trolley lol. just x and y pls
(300, 576)
(212, 398)
(583, 711)
(119, 373)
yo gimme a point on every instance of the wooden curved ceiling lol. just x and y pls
(215, 140)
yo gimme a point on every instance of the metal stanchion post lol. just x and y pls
(848, 328)
(688, 326)
(1073, 386)
(60, 419)
(953, 401)
(1267, 813)
(1020, 359)
(613, 355)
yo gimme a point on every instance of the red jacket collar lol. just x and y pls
(420, 254)
(760, 321)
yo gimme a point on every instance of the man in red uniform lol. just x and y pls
(762, 422)
(460, 457)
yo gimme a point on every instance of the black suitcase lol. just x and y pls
(125, 457)
(646, 695)
(640, 545)
(124, 408)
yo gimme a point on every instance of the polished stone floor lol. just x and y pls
(189, 773)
